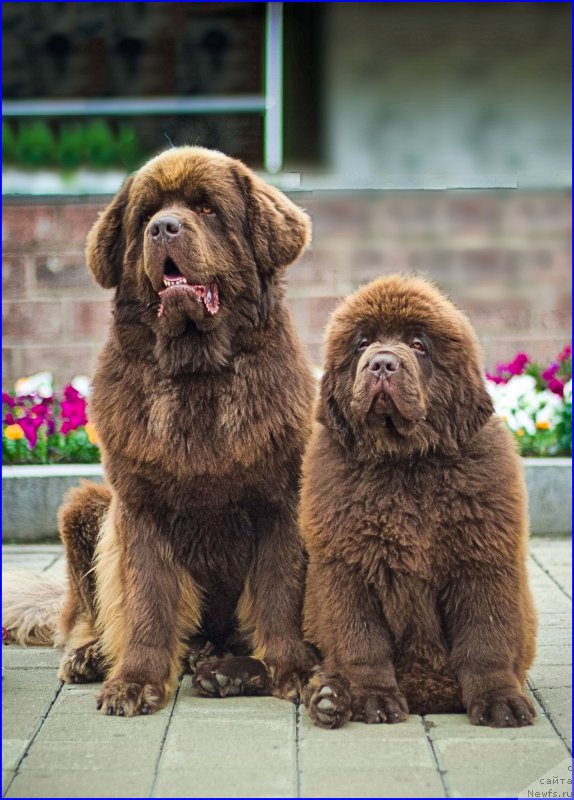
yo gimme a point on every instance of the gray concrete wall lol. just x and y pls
(449, 94)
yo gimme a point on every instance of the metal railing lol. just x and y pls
(269, 103)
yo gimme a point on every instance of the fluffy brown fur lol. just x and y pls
(414, 514)
(201, 400)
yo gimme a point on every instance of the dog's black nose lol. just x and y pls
(384, 364)
(166, 227)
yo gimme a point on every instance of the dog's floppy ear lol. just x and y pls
(279, 230)
(106, 241)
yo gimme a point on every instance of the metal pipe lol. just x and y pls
(132, 106)
(273, 138)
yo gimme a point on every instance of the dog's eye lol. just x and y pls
(204, 210)
(363, 344)
(416, 344)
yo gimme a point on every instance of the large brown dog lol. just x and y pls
(202, 402)
(414, 515)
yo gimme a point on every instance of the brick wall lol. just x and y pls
(504, 257)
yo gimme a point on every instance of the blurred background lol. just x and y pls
(432, 138)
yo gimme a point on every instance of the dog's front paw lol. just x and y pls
(373, 707)
(505, 709)
(328, 700)
(231, 675)
(292, 668)
(128, 698)
(82, 664)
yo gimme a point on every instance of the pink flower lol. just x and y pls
(503, 372)
(73, 410)
(556, 386)
(30, 430)
(516, 367)
(8, 399)
(566, 353)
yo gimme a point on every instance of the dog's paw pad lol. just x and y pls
(328, 701)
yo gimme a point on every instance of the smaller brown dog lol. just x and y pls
(414, 515)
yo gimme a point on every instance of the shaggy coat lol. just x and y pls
(201, 400)
(414, 515)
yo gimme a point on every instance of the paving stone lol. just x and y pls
(91, 783)
(32, 549)
(58, 568)
(499, 755)
(262, 781)
(14, 656)
(246, 747)
(27, 561)
(35, 679)
(553, 655)
(7, 775)
(22, 712)
(558, 704)
(485, 783)
(98, 728)
(77, 699)
(12, 752)
(82, 755)
(393, 781)
(553, 635)
(385, 752)
(551, 677)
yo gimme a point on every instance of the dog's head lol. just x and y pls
(402, 371)
(194, 242)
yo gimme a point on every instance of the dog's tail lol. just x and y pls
(31, 605)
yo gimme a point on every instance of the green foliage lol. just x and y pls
(101, 145)
(71, 146)
(57, 448)
(36, 145)
(95, 143)
(9, 150)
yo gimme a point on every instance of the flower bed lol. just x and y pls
(40, 426)
(536, 403)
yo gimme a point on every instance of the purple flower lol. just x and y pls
(566, 353)
(8, 399)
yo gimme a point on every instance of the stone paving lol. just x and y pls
(56, 745)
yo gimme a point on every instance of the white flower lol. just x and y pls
(524, 420)
(40, 384)
(81, 383)
(568, 391)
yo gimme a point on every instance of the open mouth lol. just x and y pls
(205, 294)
